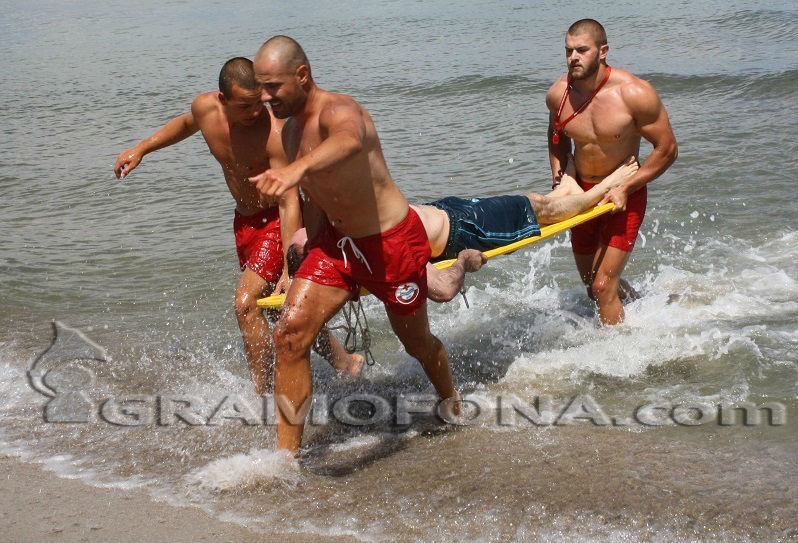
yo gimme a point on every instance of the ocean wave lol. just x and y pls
(752, 85)
(247, 470)
(465, 85)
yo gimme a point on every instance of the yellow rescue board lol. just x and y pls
(272, 302)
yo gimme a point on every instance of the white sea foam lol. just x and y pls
(357, 442)
(708, 312)
(244, 471)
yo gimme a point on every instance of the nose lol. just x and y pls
(264, 95)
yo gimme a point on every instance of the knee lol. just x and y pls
(541, 205)
(245, 305)
(603, 287)
(291, 338)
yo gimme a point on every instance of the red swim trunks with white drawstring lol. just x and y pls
(392, 265)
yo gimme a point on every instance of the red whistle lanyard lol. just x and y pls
(560, 126)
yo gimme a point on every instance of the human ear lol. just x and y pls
(302, 73)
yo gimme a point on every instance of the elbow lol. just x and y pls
(673, 152)
(440, 295)
(440, 289)
(354, 145)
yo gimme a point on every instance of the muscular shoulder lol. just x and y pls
(205, 104)
(556, 92)
(639, 95)
(337, 106)
(340, 112)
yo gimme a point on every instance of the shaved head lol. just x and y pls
(589, 26)
(286, 51)
(237, 71)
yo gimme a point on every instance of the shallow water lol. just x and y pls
(145, 268)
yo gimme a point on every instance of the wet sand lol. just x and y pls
(37, 505)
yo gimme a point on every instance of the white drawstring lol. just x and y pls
(360, 256)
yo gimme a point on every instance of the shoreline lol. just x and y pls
(38, 505)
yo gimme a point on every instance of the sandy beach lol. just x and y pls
(37, 505)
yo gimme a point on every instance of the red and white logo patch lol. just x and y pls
(406, 293)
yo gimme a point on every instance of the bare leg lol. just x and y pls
(569, 199)
(443, 285)
(255, 328)
(414, 333)
(601, 273)
(326, 344)
(308, 306)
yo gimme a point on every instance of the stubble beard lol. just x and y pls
(588, 71)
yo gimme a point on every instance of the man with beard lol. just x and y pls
(605, 111)
(460, 228)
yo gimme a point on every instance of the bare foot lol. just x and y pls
(471, 260)
(451, 408)
(621, 174)
(351, 366)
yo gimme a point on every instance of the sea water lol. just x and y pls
(628, 445)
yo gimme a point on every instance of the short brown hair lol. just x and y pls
(237, 71)
(589, 26)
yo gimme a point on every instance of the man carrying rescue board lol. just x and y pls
(459, 228)
(605, 111)
(245, 138)
(371, 237)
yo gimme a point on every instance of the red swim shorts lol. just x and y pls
(617, 230)
(258, 243)
(392, 265)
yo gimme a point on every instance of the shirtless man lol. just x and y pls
(246, 140)
(371, 236)
(457, 226)
(605, 111)
(460, 228)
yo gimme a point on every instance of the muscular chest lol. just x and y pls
(241, 153)
(307, 138)
(604, 120)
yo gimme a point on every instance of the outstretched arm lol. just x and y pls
(172, 132)
(652, 122)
